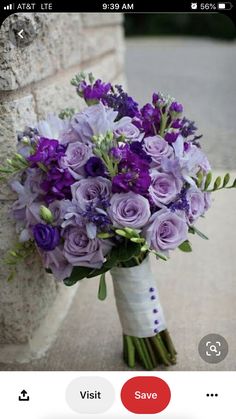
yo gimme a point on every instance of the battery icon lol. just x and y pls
(224, 6)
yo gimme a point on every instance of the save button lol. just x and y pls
(144, 395)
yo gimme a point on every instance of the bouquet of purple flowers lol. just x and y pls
(101, 189)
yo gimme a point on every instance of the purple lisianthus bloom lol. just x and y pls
(56, 261)
(165, 231)
(52, 127)
(196, 201)
(94, 120)
(157, 148)
(164, 188)
(46, 236)
(47, 151)
(91, 191)
(171, 136)
(75, 158)
(80, 250)
(94, 167)
(129, 210)
(57, 184)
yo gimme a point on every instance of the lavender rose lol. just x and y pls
(166, 230)
(129, 210)
(196, 203)
(80, 250)
(91, 191)
(56, 261)
(46, 236)
(164, 188)
(157, 148)
(75, 158)
(128, 130)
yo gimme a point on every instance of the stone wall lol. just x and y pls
(35, 81)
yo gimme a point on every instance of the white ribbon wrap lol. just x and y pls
(137, 300)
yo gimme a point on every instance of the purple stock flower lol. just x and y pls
(93, 93)
(129, 210)
(94, 167)
(149, 119)
(133, 174)
(176, 107)
(187, 127)
(165, 231)
(46, 236)
(56, 184)
(137, 148)
(47, 151)
(171, 137)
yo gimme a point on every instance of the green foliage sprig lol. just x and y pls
(18, 254)
(219, 183)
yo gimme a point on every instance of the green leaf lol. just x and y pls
(185, 246)
(217, 183)
(161, 256)
(226, 179)
(121, 233)
(208, 180)
(200, 234)
(78, 273)
(127, 250)
(102, 290)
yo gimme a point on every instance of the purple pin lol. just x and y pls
(151, 289)
(155, 310)
(155, 330)
(156, 322)
(153, 297)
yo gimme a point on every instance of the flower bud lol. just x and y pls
(46, 214)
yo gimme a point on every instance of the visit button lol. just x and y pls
(145, 395)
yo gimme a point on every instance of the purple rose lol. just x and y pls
(166, 230)
(75, 158)
(91, 191)
(157, 148)
(46, 236)
(80, 250)
(196, 201)
(164, 188)
(129, 210)
(94, 167)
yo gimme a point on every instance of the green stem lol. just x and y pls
(161, 351)
(151, 352)
(146, 354)
(141, 354)
(130, 352)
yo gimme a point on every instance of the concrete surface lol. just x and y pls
(197, 290)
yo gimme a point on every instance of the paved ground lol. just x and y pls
(198, 290)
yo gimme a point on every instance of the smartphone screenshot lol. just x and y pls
(117, 210)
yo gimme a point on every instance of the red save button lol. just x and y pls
(145, 395)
